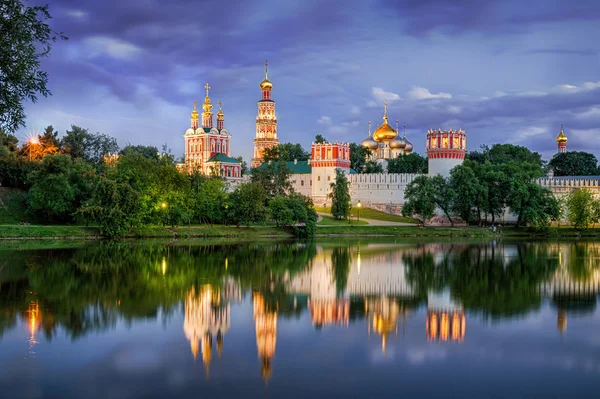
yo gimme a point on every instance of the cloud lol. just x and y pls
(421, 93)
(77, 14)
(382, 95)
(113, 47)
(324, 120)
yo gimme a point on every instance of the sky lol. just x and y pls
(504, 71)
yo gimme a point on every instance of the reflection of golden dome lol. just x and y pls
(562, 137)
(385, 132)
(266, 370)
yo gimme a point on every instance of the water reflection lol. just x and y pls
(380, 287)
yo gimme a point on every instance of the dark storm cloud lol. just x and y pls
(421, 17)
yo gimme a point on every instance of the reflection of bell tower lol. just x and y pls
(207, 314)
(445, 318)
(266, 334)
(561, 322)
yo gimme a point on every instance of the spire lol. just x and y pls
(266, 69)
(220, 117)
(369, 128)
(207, 120)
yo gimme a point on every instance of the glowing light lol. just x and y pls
(226, 263)
(163, 205)
(164, 266)
(34, 320)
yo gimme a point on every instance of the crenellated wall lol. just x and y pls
(381, 191)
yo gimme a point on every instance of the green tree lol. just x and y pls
(49, 138)
(274, 177)
(467, 188)
(443, 195)
(419, 198)
(8, 141)
(115, 206)
(340, 196)
(146, 151)
(74, 141)
(411, 163)
(320, 139)
(340, 262)
(26, 38)
(58, 188)
(580, 205)
(574, 163)
(358, 156)
(243, 165)
(287, 152)
(249, 204)
(372, 167)
(210, 198)
(294, 211)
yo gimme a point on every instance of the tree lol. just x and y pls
(49, 138)
(146, 151)
(411, 163)
(580, 208)
(574, 163)
(320, 139)
(243, 165)
(74, 141)
(295, 211)
(287, 152)
(419, 198)
(249, 204)
(443, 195)
(26, 38)
(340, 196)
(115, 206)
(372, 167)
(8, 141)
(358, 157)
(58, 188)
(467, 188)
(209, 199)
(274, 177)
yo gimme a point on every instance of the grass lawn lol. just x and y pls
(373, 214)
(35, 231)
(403, 231)
(330, 221)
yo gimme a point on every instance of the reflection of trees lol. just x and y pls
(90, 288)
(340, 261)
(584, 258)
(483, 277)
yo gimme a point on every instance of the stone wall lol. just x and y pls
(381, 191)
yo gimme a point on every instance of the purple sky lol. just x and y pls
(505, 71)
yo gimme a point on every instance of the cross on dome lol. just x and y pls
(266, 69)
(207, 87)
(385, 108)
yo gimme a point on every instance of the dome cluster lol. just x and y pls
(387, 138)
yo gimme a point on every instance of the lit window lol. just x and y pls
(445, 142)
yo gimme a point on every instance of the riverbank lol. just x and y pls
(34, 232)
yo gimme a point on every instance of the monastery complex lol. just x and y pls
(207, 149)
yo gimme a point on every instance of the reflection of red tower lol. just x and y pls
(266, 121)
(330, 311)
(445, 325)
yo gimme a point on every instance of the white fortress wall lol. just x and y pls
(381, 191)
(302, 184)
(443, 166)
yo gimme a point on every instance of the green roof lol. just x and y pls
(298, 168)
(222, 158)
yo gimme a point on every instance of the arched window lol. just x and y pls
(224, 147)
(212, 145)
(218, 146)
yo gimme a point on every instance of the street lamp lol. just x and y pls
(358, 205)
(32, 142)
(163, 205)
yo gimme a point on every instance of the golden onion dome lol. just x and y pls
(385, 132)
(397, 143)
(409, 147)
(369, 143)
(266, 84)
(195, 112)
(562, 137)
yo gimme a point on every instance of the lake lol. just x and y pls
(367, 317)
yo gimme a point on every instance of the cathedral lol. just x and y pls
(207, 148)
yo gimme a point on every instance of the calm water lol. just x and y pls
(368, 318)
